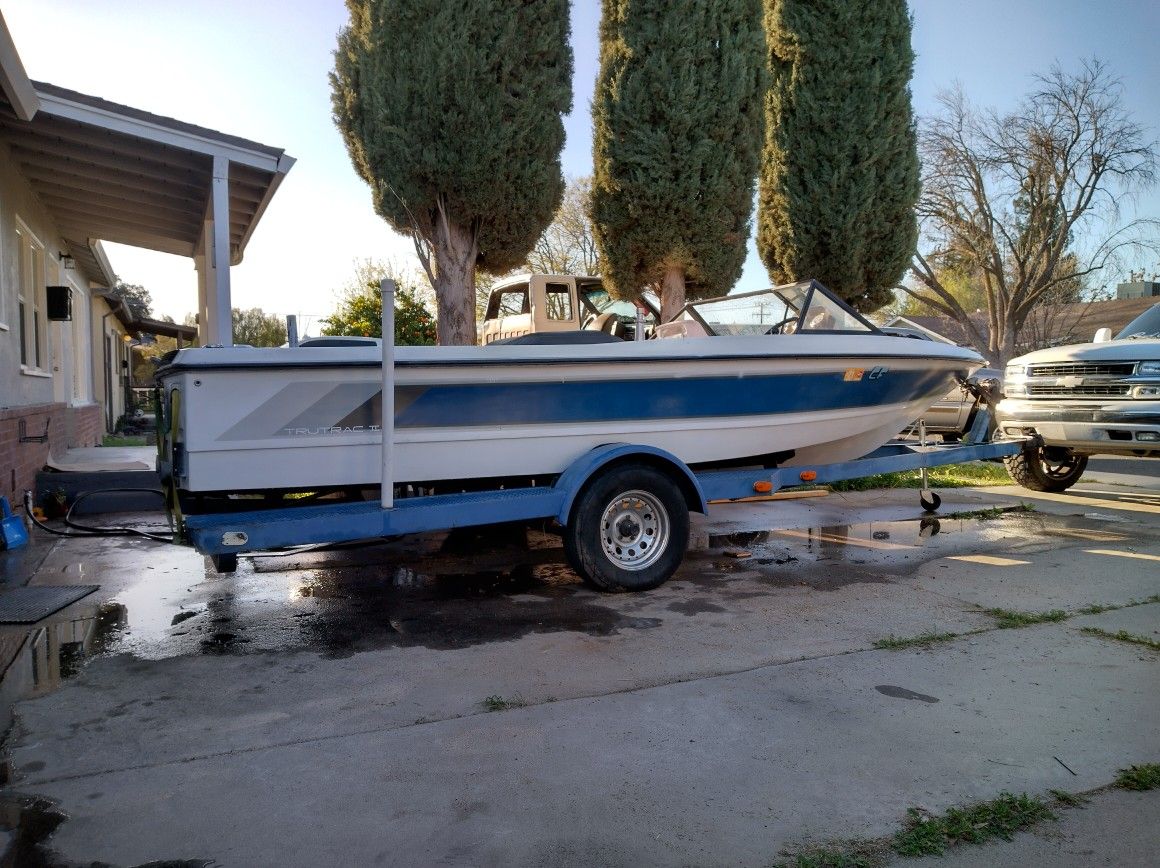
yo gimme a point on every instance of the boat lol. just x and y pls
(782, 377)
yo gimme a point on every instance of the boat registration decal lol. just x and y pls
(853, 375)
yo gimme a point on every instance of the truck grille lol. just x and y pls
(1053, 391)
(1083, 369)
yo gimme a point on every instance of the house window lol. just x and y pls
(30, 300)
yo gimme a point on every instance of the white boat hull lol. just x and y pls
(305, 419)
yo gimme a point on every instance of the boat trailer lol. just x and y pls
(624, 508)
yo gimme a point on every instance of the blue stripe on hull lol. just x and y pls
(488, 404)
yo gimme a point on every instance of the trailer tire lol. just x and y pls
(628, 529)
(1046, 468)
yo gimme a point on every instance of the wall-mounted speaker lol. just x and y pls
(59, 303)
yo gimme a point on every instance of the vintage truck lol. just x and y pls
(535, 303)
(1101, 398)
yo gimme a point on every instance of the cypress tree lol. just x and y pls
(677, 117)
(452, 115)
(839, 173)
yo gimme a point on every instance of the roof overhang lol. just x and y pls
(118, 308)
(187, 333)
(135, 327)
(13, 79)
(112, 172)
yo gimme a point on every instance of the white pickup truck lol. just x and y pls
(536, 303)
(1101, 398)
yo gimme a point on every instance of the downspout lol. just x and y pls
(108, 375)
(109, 420)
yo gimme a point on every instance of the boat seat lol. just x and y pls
(559, 338)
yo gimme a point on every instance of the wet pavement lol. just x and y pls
(336, 702)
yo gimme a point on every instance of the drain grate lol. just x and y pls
(31, 604)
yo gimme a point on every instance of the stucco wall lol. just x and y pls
(17, 200)
(60, 393)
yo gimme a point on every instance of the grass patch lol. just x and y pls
(896, 643)
(1142, 777)
(122, 440)
(930, 835)
(828, 857)
(1098, 608)
(983, 514)
(1069, 800)
(498, 703)
(948, 476)
(1123, 636)
(1006, 619)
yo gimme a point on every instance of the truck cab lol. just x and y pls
(537, 303)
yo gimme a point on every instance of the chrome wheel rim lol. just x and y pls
(634, 530)
(1059, 469)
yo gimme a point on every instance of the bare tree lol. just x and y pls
(568, 245)
(1029, 200)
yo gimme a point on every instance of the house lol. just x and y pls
(902, 322)
(1049, 325)
(76, 170)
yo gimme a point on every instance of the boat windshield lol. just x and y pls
(797, 307)
(1146, 325)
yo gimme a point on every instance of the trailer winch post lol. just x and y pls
(387, 423)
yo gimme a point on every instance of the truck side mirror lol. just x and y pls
(1102, 335)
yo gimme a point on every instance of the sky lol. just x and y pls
(258, 69)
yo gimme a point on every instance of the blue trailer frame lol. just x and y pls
(262, 530)
(223, 536)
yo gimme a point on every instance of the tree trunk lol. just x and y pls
(672, 293)
(454, 251)
(1002, 348)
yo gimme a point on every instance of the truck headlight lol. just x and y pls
(1015, 381)
(1151, 392)
(1148, 369)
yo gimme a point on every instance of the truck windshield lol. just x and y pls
(1146, 325)
(597, 299)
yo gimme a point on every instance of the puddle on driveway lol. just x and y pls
(159, 602)
(837, 551)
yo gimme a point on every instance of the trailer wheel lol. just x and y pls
(1046, 468)
(628, 530)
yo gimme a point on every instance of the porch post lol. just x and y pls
(199, 263)
(216, 237)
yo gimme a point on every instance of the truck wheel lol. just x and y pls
(629, 529)
(1048, 468)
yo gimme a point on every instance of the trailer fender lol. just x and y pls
(572, 480)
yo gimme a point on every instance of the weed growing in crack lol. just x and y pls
(1141, 777)
(1122, 636)
(929, 835)
(498, 703)
(896, 643)
(1006, 619)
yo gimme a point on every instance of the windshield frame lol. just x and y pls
(788, 293)
(1149, 319)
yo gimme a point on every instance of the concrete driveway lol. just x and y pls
(406, 705)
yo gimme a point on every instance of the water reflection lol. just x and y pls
(49, 653)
